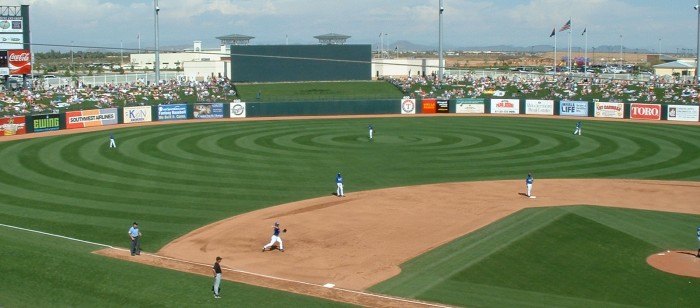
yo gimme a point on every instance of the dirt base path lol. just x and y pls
(360, 240)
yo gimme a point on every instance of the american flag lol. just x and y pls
(566, 26)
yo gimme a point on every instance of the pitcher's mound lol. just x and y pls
(684, 263)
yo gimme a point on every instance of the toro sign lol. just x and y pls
(645, 111)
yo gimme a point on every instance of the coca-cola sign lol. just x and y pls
(19, 62)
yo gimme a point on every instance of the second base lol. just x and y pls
(533, 197)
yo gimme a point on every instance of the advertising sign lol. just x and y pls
(172, 112)
(89, 118)
(408, 106)
(505, 106)
(609, 110)
(12, 126)
(538, 106)
(208, 111)
(46, 122)
(443, 106)
(10, 24)
(469, 105)
(19, 62)
(645, 111)
(573, 108)
(429, 105)
(683, 113)
(11, 41)
(137, 114)
(237, 109)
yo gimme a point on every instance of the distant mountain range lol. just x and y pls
(408, 46)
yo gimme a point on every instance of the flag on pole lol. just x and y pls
(584, 31)
(554, 32)
(380, 34)
(138, 36)
(566, 26)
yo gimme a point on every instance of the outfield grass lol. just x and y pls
(175, 178)
(311, 91)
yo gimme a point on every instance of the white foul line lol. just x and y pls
(232, 270)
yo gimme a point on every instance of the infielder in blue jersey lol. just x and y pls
(339, 183)
(577, 131)
(275, 237)
(528, 183)
(698, 255)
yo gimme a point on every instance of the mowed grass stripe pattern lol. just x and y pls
(574, 256)
(175, 178)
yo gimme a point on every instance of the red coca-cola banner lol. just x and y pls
(19, 62)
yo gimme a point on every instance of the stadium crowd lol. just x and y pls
(42, 98)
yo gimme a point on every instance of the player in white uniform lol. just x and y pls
(528, 183)
(577, 131)
(112, 142)
(275, 237)
(371, 132)
(339, 183)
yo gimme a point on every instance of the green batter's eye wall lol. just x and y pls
(276, 63)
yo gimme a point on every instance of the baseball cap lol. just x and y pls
(218, 258)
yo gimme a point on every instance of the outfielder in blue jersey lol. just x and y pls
(577, 131)
(528, 183)
(339, 184)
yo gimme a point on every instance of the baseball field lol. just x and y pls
(434, 214)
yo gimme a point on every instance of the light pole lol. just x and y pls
(441, 60)
(71, 56)
(621, 50)
(697, 49)
(156, 64)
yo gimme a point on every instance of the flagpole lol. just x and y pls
(570, 48)
(555, 53)
(139, 36)
(585, 52)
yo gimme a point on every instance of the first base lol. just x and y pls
(328, 285)
(533, 197)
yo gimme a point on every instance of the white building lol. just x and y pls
(404, 67)
(198, 63)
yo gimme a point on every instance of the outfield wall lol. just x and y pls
(238, 109)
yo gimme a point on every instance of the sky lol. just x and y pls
(635, 24)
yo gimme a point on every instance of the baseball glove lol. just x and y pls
(285, 230)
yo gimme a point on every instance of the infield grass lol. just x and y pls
(175, 178)
(576, 256)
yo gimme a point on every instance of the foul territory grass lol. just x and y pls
(41, 271)
(175, 178)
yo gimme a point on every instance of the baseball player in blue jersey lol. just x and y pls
(371, 132)
(275, 237)
(528, 183)
(577, 131)
(112, 142)
(339, 183)
(698, 255)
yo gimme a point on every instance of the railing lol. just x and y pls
(112, 79)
